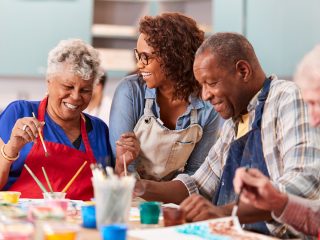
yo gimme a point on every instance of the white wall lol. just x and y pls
(20, 88)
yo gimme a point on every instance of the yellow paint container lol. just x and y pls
(68, 235)
(10, 196)
(60, 231)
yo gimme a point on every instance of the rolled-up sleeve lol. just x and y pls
(302, 214)
(206, 179)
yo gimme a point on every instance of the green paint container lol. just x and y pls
(149, 212)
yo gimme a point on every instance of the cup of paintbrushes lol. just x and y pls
(113, 197)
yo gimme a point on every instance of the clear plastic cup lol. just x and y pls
(62, 203)
(54, 195)
(113, 200)
(16, 231)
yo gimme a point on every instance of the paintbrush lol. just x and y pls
(36, 179)
(236, 207)
(124, 164)
(47, 179)
(234, 216)
(102, 169)
(41, 139)
(74, 177)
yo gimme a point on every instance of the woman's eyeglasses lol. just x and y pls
(143, 57)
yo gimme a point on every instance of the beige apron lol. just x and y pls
(164, 152)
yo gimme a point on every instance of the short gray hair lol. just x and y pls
(82, 59)
(307, 75)
(229, 48)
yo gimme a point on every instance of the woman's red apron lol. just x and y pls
(61, 164)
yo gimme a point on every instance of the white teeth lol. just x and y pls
(144, 74)
(68, 105)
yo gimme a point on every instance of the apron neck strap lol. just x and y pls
(84, 135)
(262, 99)
(42, 109)
(148, 107)
(194, 116)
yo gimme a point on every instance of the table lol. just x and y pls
(93, 234)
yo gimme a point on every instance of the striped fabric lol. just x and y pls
(302, 214)
(291, 146)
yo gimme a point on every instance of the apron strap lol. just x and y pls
(194, 116)
(85, 139)
(42, 109)
(148, 107)
(84, 135)
(262, 99)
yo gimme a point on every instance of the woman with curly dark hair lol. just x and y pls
(161, 104)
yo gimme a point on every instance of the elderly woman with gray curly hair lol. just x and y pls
(69, 137)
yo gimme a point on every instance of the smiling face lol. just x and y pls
(152, 73)
(222, 87)
(312, 98)
(69, 95)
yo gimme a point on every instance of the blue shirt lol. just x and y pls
(52, 132)
(128, 105)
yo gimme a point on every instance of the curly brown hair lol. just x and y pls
(175, 39)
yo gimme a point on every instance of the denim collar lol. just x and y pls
(195, 102)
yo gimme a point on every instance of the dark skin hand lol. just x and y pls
(128, 148)
(259, 191)
(197, 208)
(167, 192)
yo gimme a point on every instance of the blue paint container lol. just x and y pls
(88, 213)
(114, 232)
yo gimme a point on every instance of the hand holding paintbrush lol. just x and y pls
(258, 191)
(41, 138)
(236, 205)
(25, 130)
(127, 150)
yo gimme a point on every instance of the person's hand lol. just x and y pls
(259, 191)
(25, 130)
(139, 188)
(127, 150)
(197, 208)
